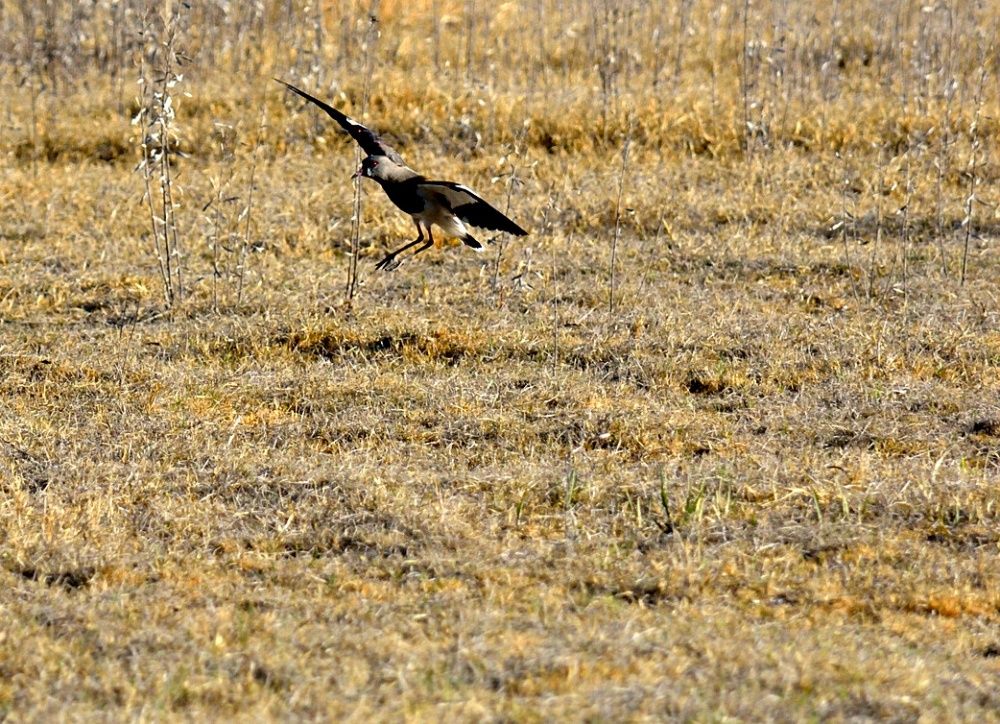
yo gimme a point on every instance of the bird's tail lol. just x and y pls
(470, 240)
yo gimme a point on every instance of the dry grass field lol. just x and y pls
(718, 441)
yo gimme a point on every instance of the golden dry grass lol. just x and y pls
(763, 486)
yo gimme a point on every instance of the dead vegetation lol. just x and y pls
(762, 485)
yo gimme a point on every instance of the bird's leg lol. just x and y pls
(390, 263)
(427, 244)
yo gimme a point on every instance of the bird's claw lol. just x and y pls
(389, 263)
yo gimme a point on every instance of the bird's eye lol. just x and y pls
(374, 164)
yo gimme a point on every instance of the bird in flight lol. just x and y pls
(451, 206)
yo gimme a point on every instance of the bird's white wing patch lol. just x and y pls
(462, 202)
(370, 142)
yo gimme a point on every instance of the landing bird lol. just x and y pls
(450, 205)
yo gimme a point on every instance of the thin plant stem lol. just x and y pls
(156, 121)
(372, 35)
(618, 223)
(879, 187)
(503, 237)
(746, 89)
(846, 219)
(908, 199)
(245, 247)
(216, 230)
(970, 203)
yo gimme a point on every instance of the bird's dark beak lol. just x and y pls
(358, 172)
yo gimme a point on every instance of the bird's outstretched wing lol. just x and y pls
(467, 206)
(371, 143)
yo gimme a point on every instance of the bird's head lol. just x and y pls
(384, 170)
(370, 167)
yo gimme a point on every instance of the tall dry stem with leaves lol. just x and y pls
(159, 77)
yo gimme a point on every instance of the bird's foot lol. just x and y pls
(389, 263)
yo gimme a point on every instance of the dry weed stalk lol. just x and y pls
(604, 27)
(34, 124)
(683, 23)
(231, 232)
(879, 222)
(512, 181)
(904, 212)
(970, 200)
(247, 213)
(221, 186)
(847, 220)
(158, 130)
(470, 32)
(369, 49)
(618, 223)
(436, 33)
(745, 82)
(942, 161)
(33, 78)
